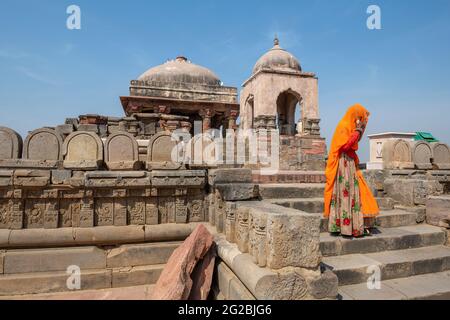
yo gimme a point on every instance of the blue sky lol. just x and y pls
(400, 73)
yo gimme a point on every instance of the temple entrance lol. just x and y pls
(288, 112)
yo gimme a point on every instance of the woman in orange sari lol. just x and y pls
(349, 203)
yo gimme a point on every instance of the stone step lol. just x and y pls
(385, 203)
(316, 205)
(310, 205)
(126, 293)
(383, 239)
(355, 268)
(58, 259)
(291, 191)
(386, 219)
(432, 286)
(51, 282)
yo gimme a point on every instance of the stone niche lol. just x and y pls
(10, 144)
(441, 155)
(122, 152)
(83, 150)
(43, 144)
(397, 154)
(421, 155)
(164, 153)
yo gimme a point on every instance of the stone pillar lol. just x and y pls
(206, 115)
(231, 117)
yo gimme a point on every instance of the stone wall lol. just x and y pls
(82, 181)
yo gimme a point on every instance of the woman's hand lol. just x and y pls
(361, 126)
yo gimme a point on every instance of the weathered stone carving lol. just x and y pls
(164, 153)
(230, 221)
(181, 209)
(69, 213)
(104, 212)
(10, 144)
(397, 154)
(421, 155)
(43, 144)
(31, 178)
(83, 150)
(87, 211)
(219, 211)
(196, 209)
(122, 152)
(6, 210)
(185, 178)
(151, 211)
(242, 231)
(166, 206)
(258, 237)
(441, 155)
(136, 211)
(102, 179)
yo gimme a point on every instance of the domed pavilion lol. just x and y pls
(183, 92)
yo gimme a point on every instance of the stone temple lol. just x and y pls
(114, 197)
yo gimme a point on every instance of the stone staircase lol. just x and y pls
(411, 257)
(108, 272)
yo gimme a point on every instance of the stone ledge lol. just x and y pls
(69, 237)
(46, 260)
(237, 191)
(220, 176)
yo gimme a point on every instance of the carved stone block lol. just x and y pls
(196, 207)
(151, 211)
(258, 237)
(397, 154)
(122, 152)
(83, 150)
(441, 156)
(31, 178)
(230, 221)
(11, 213)
(69, 213)
(10, 144)
(185, 178)
(34, 213)
(43, 144)
(104, 212)
(422, 155)
(102, 179)
(87, 213)
(51, 215)
(242, 229)
(136, 211)
(164, 153)
(181, 209)
(166, 209)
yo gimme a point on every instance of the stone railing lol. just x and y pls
(273, 252)
(402, 154)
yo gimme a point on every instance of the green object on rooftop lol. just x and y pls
(428, 137)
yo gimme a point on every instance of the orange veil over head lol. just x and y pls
(344, 130)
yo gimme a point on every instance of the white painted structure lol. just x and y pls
(377, 141)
